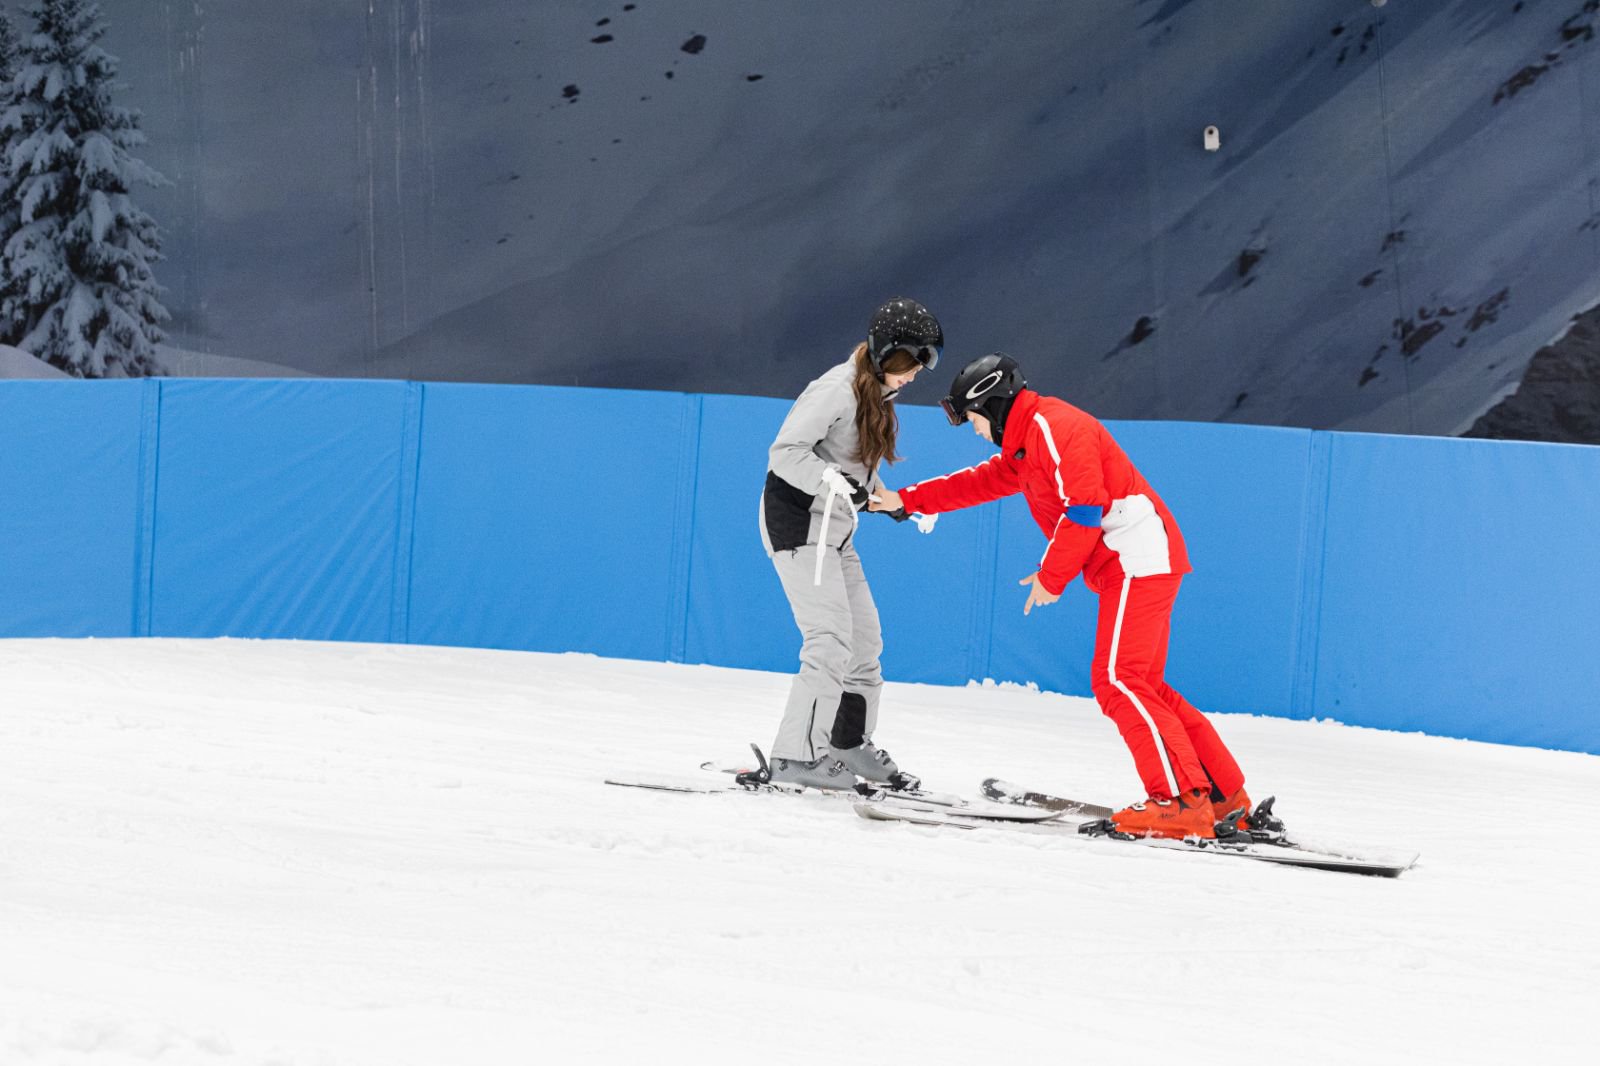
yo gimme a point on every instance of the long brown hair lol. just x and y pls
(876, 421)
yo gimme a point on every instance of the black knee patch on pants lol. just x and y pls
(850, 724)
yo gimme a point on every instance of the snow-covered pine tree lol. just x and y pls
(8, 197)
(85, 297)
(8, 46)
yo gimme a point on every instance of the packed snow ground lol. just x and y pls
(218, 852)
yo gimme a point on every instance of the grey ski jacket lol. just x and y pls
(819, 430)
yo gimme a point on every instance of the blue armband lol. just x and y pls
(1085, 515)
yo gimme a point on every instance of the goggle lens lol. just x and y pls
(925, 354)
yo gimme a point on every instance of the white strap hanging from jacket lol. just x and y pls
(838, 486)
(822, 537)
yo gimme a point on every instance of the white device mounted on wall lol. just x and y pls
(1213, 138)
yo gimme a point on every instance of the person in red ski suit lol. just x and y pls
(1104, 521)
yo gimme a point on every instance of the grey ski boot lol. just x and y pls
(853, 747)
(873, 765)
(825, 772)
(822, 772)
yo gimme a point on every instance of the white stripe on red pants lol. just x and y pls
(1173, 745)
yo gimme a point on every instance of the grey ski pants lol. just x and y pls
(841, 643)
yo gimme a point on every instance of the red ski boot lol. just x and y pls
(1189, 815)
(1237, 805)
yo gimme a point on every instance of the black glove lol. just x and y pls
(850, 488)
(858, 493)
(899, 515)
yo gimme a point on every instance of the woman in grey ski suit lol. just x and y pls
(821, 468)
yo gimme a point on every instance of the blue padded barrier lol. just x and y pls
(552, 519)
(277, 506)
(1397, 582)
(71, 503)
(737, 614)
(1459, 589)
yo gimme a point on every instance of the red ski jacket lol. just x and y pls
(1103, 519)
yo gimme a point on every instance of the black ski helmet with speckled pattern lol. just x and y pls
(903, 323)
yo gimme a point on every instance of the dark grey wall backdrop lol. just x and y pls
(711, 195)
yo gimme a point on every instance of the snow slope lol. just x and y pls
(292, 853)
(178, 362)
(183, 363)
(16, 364)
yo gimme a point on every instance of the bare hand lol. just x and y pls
(1038, 596)
(884, 500)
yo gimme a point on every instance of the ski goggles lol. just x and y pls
(926, 354)
(956, 416)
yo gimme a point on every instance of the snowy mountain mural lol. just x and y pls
(711, 196)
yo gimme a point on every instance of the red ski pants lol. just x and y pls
(1174, 747)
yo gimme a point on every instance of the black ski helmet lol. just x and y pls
(987, 385)
(903, 323)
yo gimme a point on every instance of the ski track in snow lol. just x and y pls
(298, 853)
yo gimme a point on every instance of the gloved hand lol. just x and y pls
(924, 521)
(845, 485)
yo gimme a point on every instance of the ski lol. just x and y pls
(749, 780)
(948, 799)
(1069, 826)
(685, 783)
(1269, 843)
(1265, 827)
(878, 812)
(1005, 792)
(975, 809)
(1281, 852)
(890, 809)
(906, 782)
(716, 766)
